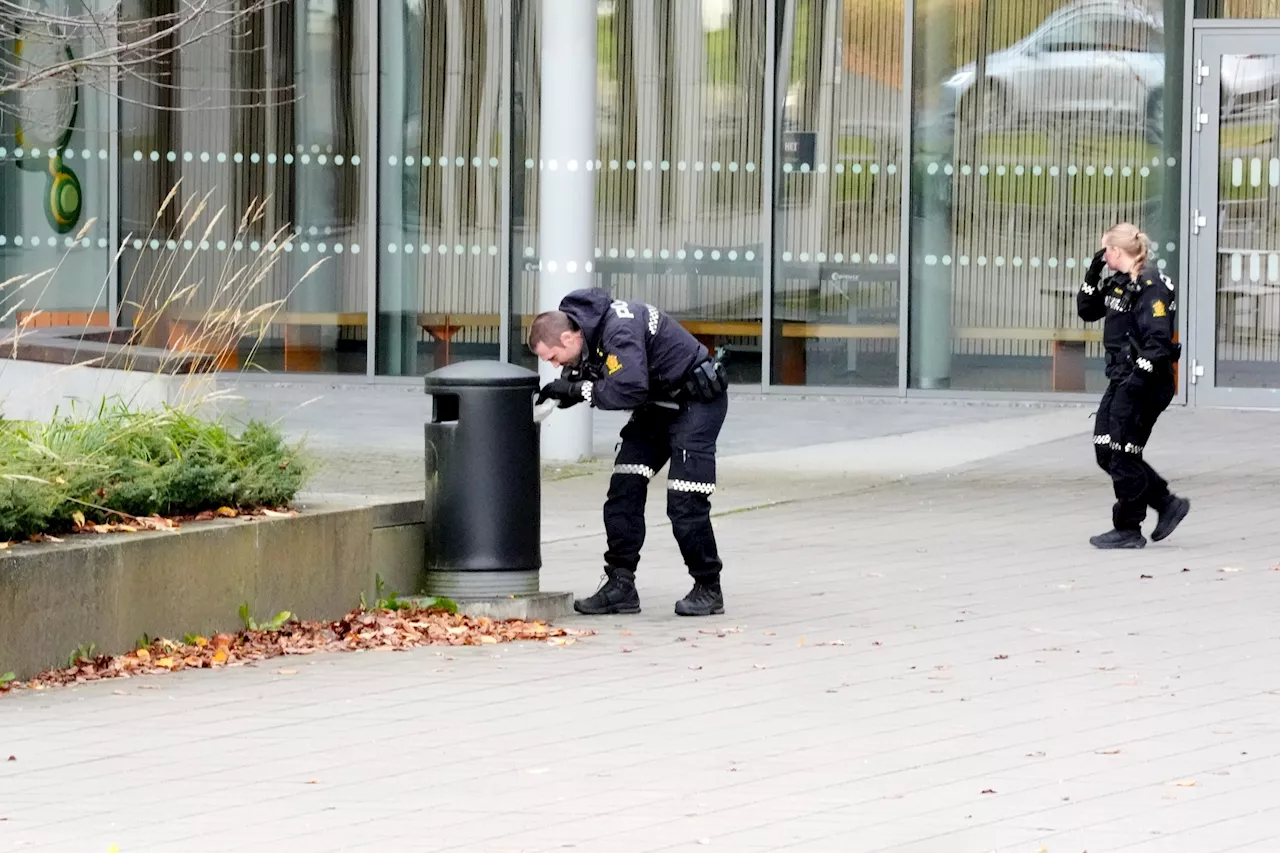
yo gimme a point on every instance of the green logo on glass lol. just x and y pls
(47, 112)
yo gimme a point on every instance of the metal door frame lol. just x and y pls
(1212, 40)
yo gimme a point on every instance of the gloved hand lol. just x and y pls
(568, 393)
(1094, 274)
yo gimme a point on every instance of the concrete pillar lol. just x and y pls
(566, 193)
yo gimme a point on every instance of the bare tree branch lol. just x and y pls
(42, 51)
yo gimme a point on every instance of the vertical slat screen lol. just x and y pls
(260, 127)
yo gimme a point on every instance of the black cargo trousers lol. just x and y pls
(1122, 427)
(684, 435)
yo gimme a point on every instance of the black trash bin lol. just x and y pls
(484, 487)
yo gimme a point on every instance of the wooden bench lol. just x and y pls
(1068, 348)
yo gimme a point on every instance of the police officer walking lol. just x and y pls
(621, 355)
(1139, 306)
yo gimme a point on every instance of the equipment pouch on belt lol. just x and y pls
(705, 382)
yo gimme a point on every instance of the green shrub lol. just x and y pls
(122, 462)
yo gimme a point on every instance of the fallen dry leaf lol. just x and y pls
(272, 513)
(77, 518)
(1108, 752)
(989, 790)
(1002, 657)
(1228, 569)
(1144, 577)
(13, 758)
(4, 546)
(226, 512)
(1186, 783)
(287, 671)
(379, 630)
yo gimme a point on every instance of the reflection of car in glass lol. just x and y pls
(1089, 60)
(1097, 60)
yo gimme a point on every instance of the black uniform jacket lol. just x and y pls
(633, 354)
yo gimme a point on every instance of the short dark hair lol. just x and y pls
(548, 327)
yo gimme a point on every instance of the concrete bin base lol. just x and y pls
(536, 607)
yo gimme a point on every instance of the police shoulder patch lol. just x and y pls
(1157, 309)
(612, 364)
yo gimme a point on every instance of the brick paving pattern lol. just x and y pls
(922, 663)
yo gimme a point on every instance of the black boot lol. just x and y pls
(705, 599)
(1119, 539)
(1171, 514)
(617, 595)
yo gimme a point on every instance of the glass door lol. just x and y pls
(1234, 266)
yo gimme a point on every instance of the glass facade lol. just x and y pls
(679, 182)
(243, 166)
(895, 196)
(56, 159)
(1037, 126)
(838, 174)
(440, 79)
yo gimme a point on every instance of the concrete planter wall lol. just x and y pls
(111, 589)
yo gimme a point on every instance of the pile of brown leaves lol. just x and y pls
(396, 630)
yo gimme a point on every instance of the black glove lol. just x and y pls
(568, 393)
(1094, 273)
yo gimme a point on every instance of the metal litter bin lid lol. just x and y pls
(483, 374)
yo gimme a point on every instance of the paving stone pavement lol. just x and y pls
(921, 654)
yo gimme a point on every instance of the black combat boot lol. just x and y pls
(705, 599)
(1119, 539)
(1171, 514)
(616, 595)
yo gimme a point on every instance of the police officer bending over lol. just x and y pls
(1138, 302)
(629, 355)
